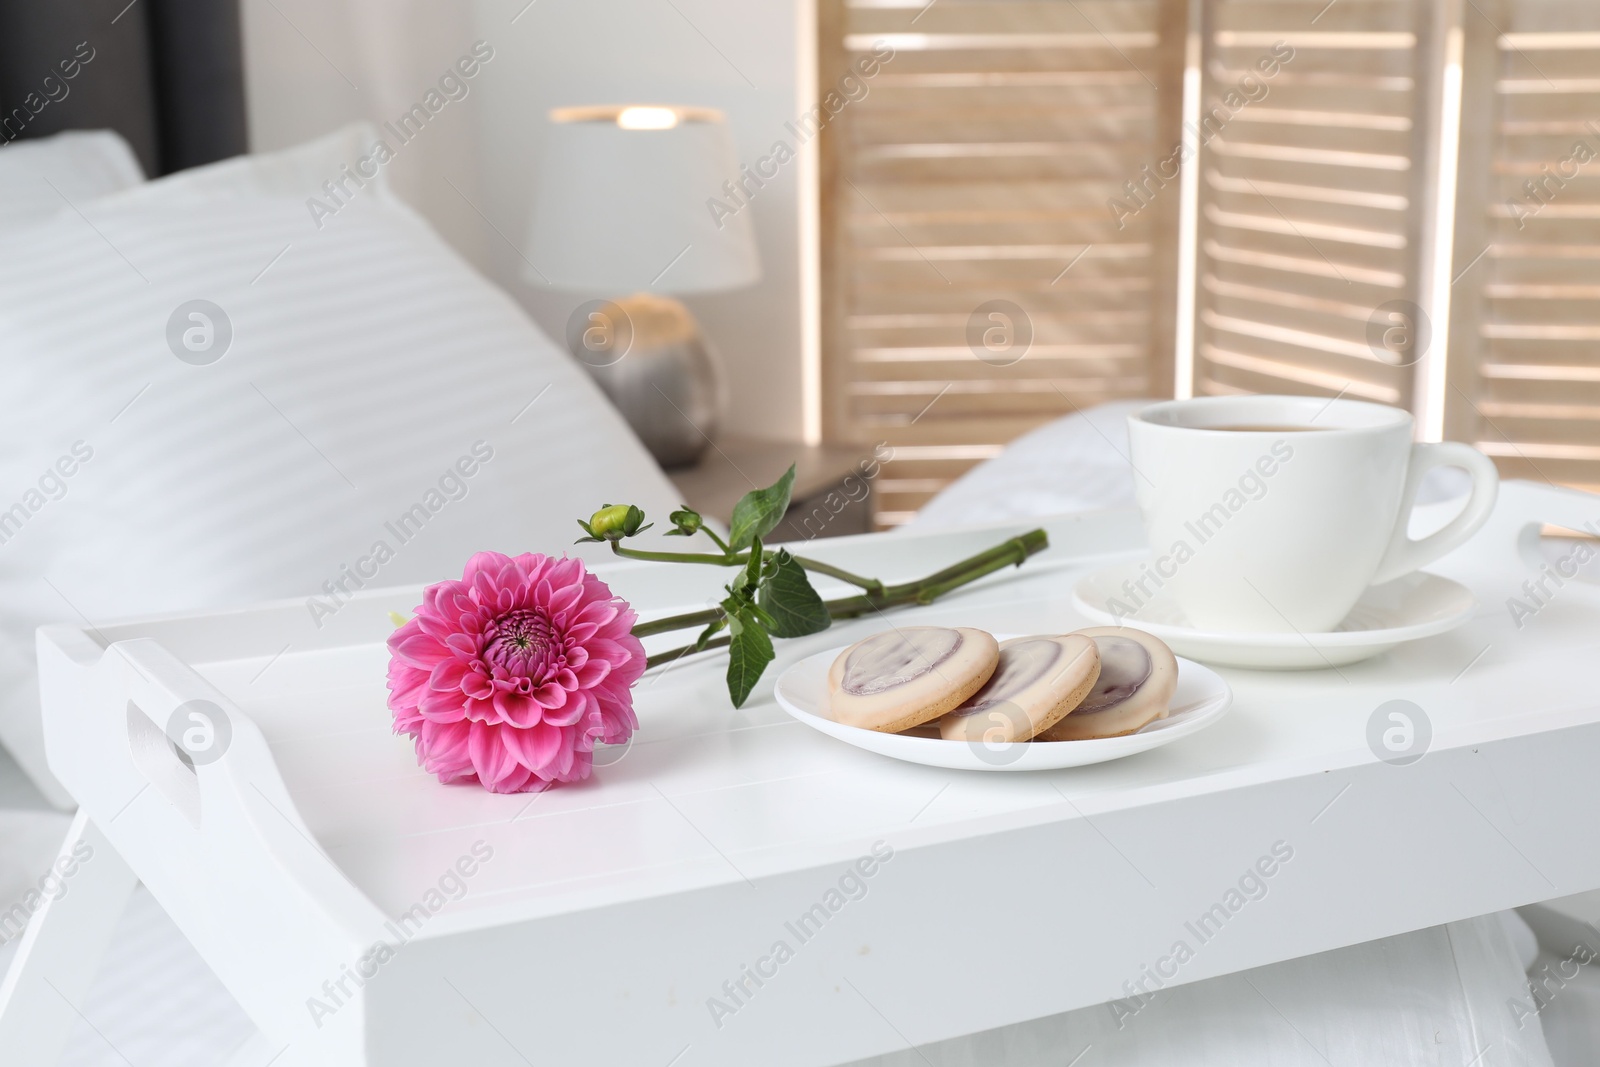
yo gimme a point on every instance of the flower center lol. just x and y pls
(522, 643)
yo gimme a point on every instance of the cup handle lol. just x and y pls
(1404, 554)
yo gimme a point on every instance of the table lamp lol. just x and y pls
(645, 200)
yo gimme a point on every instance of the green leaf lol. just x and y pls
(748, 656)
(759, 511)
(708, 633)
(790, 601)
(752, 570)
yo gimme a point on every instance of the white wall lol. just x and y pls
(312, 65)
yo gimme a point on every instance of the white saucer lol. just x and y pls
(1200, 700)
(1417, 605)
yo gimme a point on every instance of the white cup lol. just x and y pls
(1282, 529)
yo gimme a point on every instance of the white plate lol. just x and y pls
(1415, 606)
(1200, 700)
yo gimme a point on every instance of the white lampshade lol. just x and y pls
(625, 201)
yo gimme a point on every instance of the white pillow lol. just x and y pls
(1077, 463)
(81, 165)
(371, 373)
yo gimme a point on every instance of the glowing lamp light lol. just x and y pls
(647, 118)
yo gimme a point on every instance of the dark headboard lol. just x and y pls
(166, 74)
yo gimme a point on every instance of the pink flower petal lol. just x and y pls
(476, 683)
(518, 709)
(577, 633)
(534, 747)
(419, 650)
(593, 673)
(597, 614)
(484, 562)
(573, 712)
(448, 674)
(490, 757)
(551, 695)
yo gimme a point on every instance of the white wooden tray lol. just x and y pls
(614, 917)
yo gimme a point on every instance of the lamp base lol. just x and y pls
(658, 370)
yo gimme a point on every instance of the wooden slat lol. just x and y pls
(978, 168)
(1305, 196)
(1526, 385)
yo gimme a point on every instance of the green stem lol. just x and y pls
(923, 591)
(871, 585)
(678, 622)
(926, 590)
(667, 657)
(728, 560)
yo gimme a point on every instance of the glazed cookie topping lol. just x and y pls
(1124, 667)
(1138, 675)
(893, 659)
(1039, 680)
(1023, 663)
(896, 680)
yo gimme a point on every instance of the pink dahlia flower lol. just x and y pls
(509, 676)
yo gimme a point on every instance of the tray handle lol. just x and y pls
(164, 764)
(217, 805)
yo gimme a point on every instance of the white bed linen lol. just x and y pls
(371, 373)
(1081, 463)
(154, 1001)
(45, 177)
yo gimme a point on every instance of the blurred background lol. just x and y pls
(1395, 201)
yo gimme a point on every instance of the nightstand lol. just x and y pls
(832, 484)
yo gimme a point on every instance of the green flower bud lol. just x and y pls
(686, 522)
(613, 522)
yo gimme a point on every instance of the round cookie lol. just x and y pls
(1040, 679)
(1138, 675)
(901, 678)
